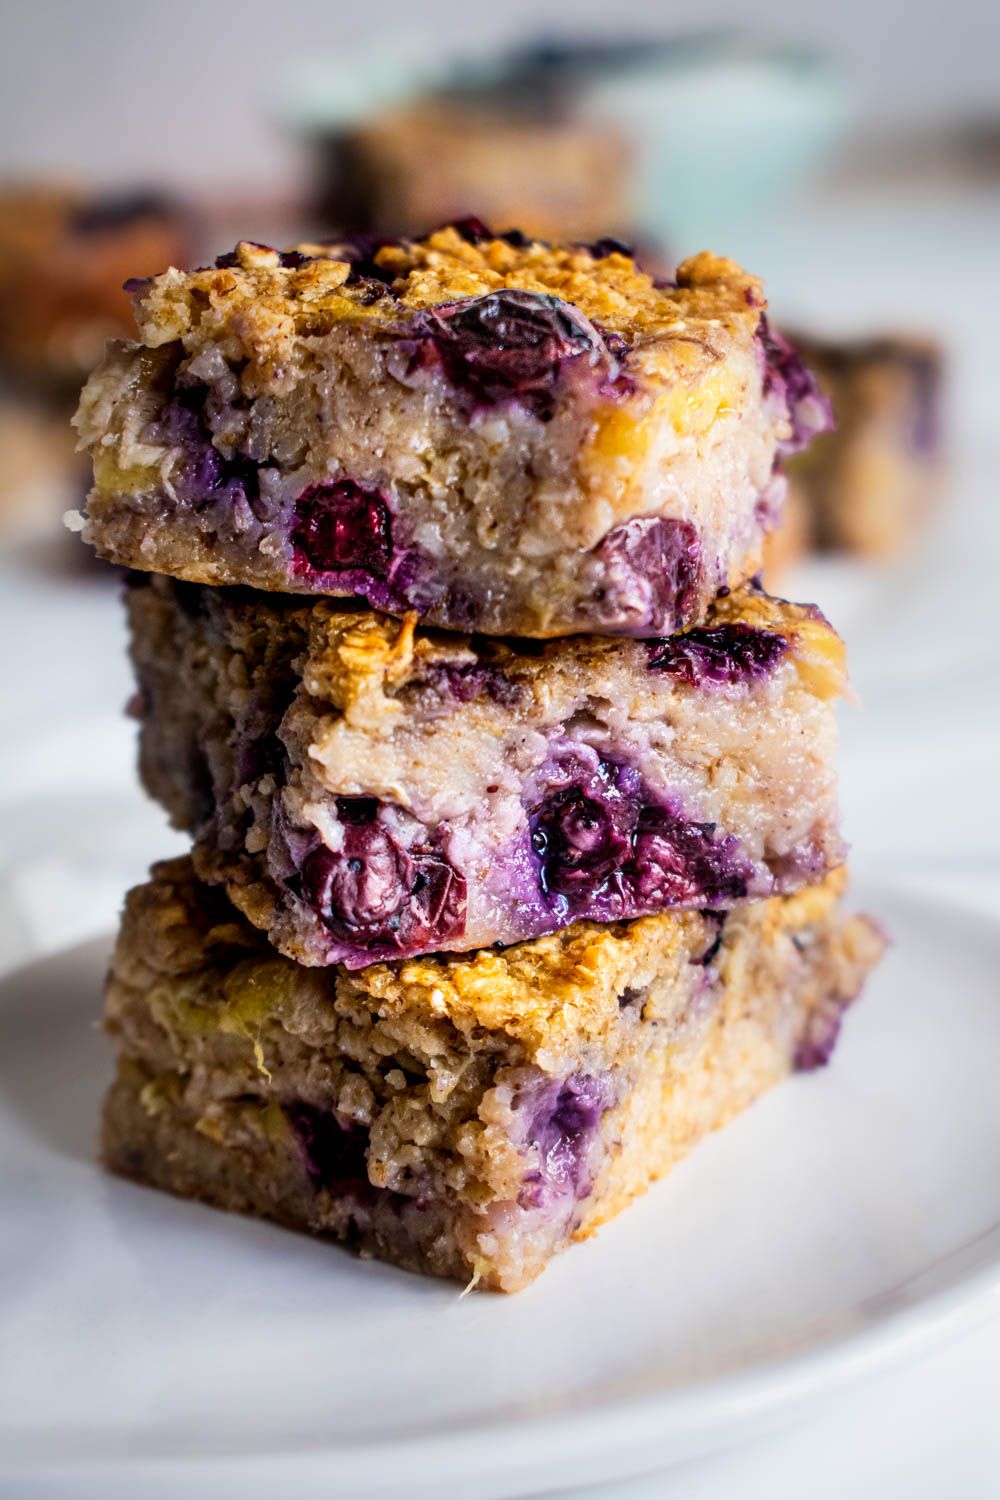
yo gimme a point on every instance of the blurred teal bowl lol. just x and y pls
(720, 139)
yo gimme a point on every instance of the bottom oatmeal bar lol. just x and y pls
(462, 1115)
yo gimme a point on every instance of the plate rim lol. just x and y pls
(655, 1428)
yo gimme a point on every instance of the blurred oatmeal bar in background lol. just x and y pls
(405, 171)
(65, 253)
(869, 486)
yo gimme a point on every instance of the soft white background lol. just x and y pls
(187, 87)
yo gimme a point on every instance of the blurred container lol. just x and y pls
(723, 127)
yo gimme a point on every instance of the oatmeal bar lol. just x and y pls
(406, 168)
(372, 790)
(465, 1117)
(498, 434)
(64, 254)
(869, 486)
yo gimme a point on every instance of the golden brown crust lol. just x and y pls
(549, 996)
(267, 305)
(358, 662)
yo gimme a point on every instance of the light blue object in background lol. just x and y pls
(724, 128)
(723, 131)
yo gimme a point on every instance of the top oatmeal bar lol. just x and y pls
(496, 433)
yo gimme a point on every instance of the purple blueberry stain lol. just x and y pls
(202, 475)
(925, 416)
(561, 1120)
(820, 1033)
(809, 411)
(730, 655)
(711, 953)
(463, 682)
(334, 1151)
(650, 572)
(508, 345)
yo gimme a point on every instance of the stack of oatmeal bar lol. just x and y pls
(516, 865)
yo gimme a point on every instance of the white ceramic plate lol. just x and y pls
(156, 1347)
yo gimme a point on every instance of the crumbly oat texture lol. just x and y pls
(496, 433)
(367, 789)
(465, 1117)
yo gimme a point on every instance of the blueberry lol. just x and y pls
(599, 834)
(652, 567)
(475, 232)
(372, 891)
(508, 344)
(362, 887)
(677, 862)
(334, 1152)
(471, 229)
(360, 252)
(602, 248)
(735, 653)
(583, 833)
(231, 259)
(290, 259)
(342, 525)
(437, 901)
(202, 474)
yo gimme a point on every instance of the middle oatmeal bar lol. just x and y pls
(370, 790)
(496, 433)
